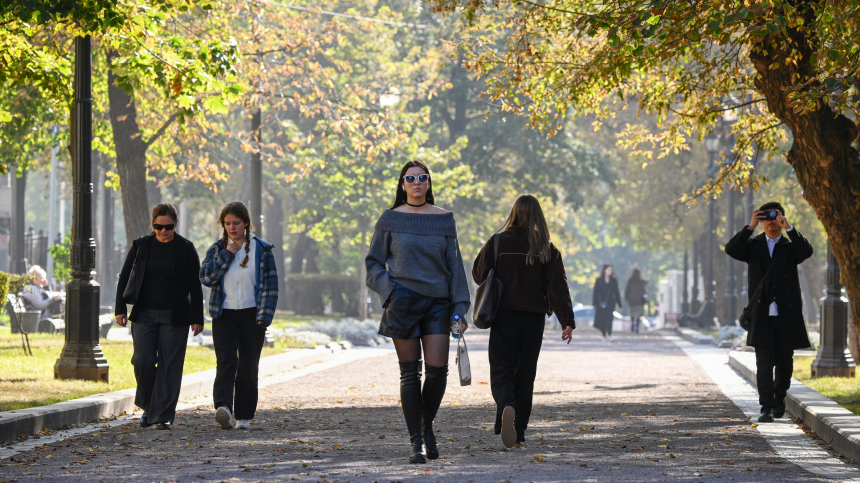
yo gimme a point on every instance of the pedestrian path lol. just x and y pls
(784, 435)
(640, 409)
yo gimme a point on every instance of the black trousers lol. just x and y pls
(773, 367)
(515, 342)
(158, 359)
(238, 343)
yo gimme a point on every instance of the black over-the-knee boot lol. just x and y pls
(413, 407)
(435, 381)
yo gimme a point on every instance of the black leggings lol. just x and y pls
(515, 342)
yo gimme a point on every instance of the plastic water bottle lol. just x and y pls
(455, 329)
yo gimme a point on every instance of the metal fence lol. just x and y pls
(36, 248)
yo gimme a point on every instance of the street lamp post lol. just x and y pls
(82, 356)
(685, 302)
(712, 145)
(833, 357)
(257, 173)
(694, 293)
(730, 300)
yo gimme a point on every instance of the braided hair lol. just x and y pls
(239, 210)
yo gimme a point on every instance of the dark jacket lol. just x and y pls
(635, 293)
(530, 288)
(784, 286)
(187, 303)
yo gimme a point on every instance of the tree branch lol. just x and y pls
(161, 130)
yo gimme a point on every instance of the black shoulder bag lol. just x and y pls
(489, 294)
(129, 295)
(745, 320)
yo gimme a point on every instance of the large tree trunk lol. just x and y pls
(826, 164)
(130, 158)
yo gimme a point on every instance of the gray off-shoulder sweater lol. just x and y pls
(422, 254)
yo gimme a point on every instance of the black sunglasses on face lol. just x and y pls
(422, 178)
(169, 227)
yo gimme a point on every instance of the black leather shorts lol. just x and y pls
(408, 315)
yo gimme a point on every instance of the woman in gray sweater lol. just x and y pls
(414, 265)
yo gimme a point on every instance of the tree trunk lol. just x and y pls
(130, 158)
(363, 226)
(275, 236)
(826, 164)
(17, 264)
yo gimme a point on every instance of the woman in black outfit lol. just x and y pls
(605, 298)
(166, 298)
(531, 270)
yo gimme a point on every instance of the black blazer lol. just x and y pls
(187, 303)
(784, 286)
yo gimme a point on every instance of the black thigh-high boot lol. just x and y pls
(413, 407)
(435, 381)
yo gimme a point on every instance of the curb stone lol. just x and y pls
(835, 425)
(694, 336)
(25, 422)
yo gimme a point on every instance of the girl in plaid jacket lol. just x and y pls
(240, 270)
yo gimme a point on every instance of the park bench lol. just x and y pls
(31, 320)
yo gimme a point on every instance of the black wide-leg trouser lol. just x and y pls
(774, 366)
(515, 341)
(159, 357)
(238, 342)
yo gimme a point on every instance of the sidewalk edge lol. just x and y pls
(834, 424)
(25, 422)
(694, 336)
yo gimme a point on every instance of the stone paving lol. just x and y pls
(639, 409)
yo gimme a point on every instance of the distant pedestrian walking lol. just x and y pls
(531, 270)
(636, 296)
(159, 279)
(604, 299)
(240, 269)
(414, 264)
(777, 314)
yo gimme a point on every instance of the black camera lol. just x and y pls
(770, 215)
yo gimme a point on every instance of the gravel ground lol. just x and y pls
(634, 410)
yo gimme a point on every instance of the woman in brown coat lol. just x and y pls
(531, 270)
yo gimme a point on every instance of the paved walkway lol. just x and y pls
(640, 409)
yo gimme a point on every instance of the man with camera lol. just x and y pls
(777, 314)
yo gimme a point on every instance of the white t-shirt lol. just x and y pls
(239, 282)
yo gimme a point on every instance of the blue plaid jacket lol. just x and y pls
(216, 264)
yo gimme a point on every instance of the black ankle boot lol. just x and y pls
(435, 381)
(413, 407)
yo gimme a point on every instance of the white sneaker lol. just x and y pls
(243, 424)
(609, 338)
(224, 417)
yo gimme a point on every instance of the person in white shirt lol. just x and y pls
(777, 315)
(240, 269)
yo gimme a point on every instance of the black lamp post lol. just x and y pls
(685, 302)
(730, 299)
(82, 356)
(694, 292)
(712, 145)
(833, 357)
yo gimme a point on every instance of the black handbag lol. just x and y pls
(489, 294)
(745, 320)
(129, 295)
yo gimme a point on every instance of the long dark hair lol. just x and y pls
(527, 212)
(603, 271)
(636, 276)
(400, 196)
(239, 210)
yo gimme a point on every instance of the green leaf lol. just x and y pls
(772, 28)
(654, 20)
(782, 20)
(833, 55)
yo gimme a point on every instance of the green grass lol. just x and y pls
(284, 320)
(28, 381)
(843, 390)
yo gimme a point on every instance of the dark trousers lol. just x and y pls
(158, 359)
(515, 341)
(238, 343)
(774, 366)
